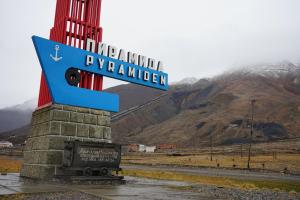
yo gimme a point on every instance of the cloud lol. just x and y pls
(193, 37)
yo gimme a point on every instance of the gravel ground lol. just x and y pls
(232, 193)
(210, 192)
(135, 189)
(51, 196)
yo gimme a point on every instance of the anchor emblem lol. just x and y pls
(56, 54)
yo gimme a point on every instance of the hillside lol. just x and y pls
(16, 116)
(190, 115)
(193, 113)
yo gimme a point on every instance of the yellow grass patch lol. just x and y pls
(217, 181)
(268, 162)
(10, 165)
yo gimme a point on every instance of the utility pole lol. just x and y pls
(251, 132)
(211, 146)
(241, 150)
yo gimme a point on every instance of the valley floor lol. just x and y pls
(136, 188)
(159, 182)
(281, 162)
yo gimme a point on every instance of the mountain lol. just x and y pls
(220, 110)
(132, 95)
(267, 70)
(217, 109)
(16, 116)
(186, 81)
(16, 136)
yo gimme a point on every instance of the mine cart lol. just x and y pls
(91, 159)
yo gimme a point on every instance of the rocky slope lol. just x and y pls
(218, 109)
(16, 116)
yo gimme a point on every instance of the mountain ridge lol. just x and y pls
(189, 114)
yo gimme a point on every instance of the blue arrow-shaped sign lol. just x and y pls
(56, 59)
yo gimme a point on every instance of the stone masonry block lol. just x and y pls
(83, 110)
(28, 145)
(56, 143)
(33, 131)
(39, 111)
(107, 133)
(97, 112)
(96, 132)
(39, 143)
(90, 119)
(37, 171)
(30, 157)
(103, 121)
(40, 118)
(70, 108)
(68, 129)
(45, 143)
(55, 128)
(82, 130)
(105, 113)
(54, 124)
(77, 117)
(53, 158)
(41, 129)
(57, 106)
(43, 157)
(43, 117)
(60, 115)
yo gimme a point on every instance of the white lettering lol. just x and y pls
(121, 70)
(112, 51)
(90, 45)
(101, 63)
(122, 55)
(102, 49)
(131, 72)
(146, 76)
(139, 74)
(151, 63)
(160, 66)
(142, 61)
(154, 78)
(111, 66)
(89, 60)
(163, 80)
(132, 58)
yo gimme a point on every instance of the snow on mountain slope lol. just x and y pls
(27, 105)
(266, 70)
(186, 81)
(16, 116)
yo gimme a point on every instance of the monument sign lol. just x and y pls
(70, 130)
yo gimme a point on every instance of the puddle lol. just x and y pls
(134, 189)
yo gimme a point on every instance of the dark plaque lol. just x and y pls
(91, 159)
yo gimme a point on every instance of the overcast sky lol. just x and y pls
(194, 38)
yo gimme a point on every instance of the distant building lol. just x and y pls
(150, 149)
(5, 144)
(132, 147)
(142, 148)
(166, 146)
(139, 148)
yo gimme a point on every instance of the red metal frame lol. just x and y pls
(75, 21)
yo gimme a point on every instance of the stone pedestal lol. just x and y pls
(53, 125)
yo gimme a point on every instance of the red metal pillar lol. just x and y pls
(75, 21)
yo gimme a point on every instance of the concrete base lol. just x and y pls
(53, 125)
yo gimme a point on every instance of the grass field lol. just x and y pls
(10, 164)
(268, 162)
(288, 186)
